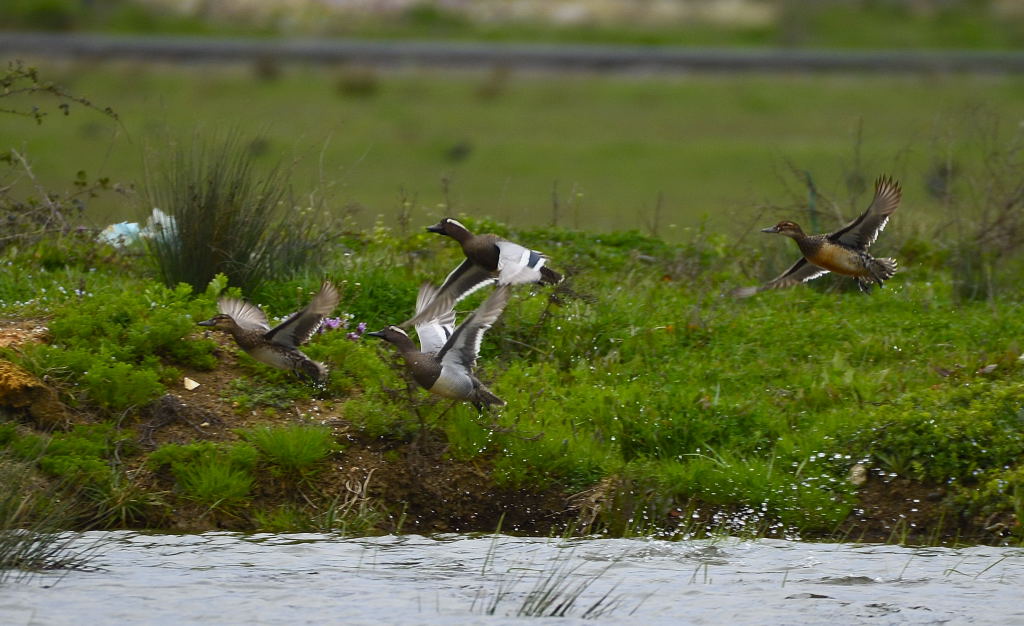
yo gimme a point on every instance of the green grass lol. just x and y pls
(711, 146)
(32, 521)
(216, 477)
(293, 450)
(749, 413)
(638, 380)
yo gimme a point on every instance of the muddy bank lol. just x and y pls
(416, 486)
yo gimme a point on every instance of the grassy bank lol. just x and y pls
(601, 153)
(640, 399)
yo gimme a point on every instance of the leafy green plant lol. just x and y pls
(277, 391)
(216, 484)
(122, 502)
(80, 456)
(940, 437)
(109, 343)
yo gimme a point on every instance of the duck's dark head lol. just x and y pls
(785, 227)
(221, 321)
(449, 228)
(391, 334)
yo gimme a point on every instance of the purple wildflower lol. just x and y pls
(360, 329)
(331, 323)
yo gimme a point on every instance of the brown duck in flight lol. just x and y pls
(843, 251)
(278, 346)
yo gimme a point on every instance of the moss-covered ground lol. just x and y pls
(641, 398)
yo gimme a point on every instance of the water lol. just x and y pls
(227, 578)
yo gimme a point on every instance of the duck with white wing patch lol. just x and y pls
(489, 259)
(446, 358)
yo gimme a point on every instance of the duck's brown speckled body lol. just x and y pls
(843, 251)
(278, 346)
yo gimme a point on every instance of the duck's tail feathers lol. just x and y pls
(745, 292)
(549, 276)
(313, 370)
(483, 397)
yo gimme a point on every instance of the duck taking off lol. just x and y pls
(843, 251)
(277, 347)
(445, 360)
(489, 259)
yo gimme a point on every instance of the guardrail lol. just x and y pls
(596, 58)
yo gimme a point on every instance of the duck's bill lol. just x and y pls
(209, 322)
(379, 334)
(436, 228)
(770, 229)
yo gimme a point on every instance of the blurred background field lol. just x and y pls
(657, 152)
(595, 152)
(977, 24)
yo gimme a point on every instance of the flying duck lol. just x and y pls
(277, 347)
(843, 251)
(489, 259)
(444, 362)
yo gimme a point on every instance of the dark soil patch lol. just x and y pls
(899, 510)
(438, 494)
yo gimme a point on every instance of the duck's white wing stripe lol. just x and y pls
(862, 232)
(433, 333)
(464, 345)
(799, 272)
(464, 280)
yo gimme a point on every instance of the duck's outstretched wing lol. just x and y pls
(246, 315)
(464, 280)
(800, 272)
(297, 329)
(433, 333)
(462, 348)
(518, 264)
(862, 232)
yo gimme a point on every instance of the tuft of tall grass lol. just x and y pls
(219, 477)
(296, 449)
(216, 484)
(31, 521)
(225, 217)
(556, 591)
(352, 512)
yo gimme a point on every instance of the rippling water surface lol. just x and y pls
(232, 579)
